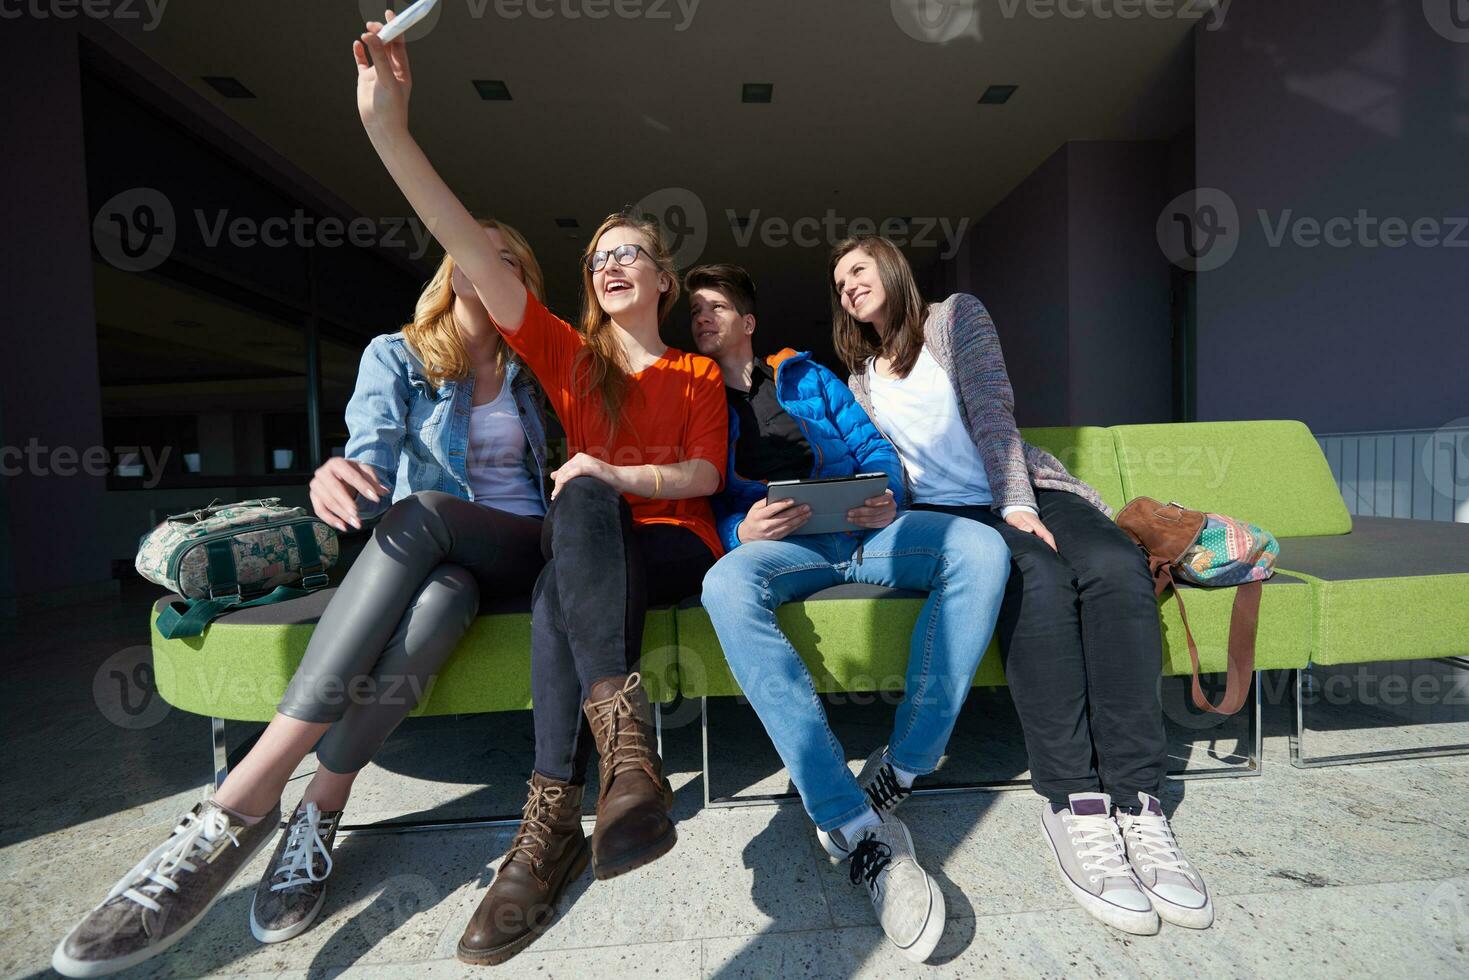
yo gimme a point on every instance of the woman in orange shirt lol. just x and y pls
(629, 523)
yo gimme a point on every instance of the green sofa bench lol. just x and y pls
(855, 638)
(239, 667)
(1381, 589)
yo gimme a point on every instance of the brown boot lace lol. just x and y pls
(626, 737)
(532, 839)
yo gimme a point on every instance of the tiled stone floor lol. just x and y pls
(1343, 871)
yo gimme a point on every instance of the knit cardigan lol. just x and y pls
(960, 335)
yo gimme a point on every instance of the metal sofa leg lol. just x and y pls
(1253, 767)
(222, 763)
(1301, 759)
(221, 754)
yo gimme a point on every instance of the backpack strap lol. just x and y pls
(1244, 622)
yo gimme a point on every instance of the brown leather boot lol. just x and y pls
(548, 853)
(633, 826)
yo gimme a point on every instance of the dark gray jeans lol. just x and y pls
(400, 612)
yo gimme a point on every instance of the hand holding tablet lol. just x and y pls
(831, 500)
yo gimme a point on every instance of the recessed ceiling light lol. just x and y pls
(997, 94)
(230, 88)
(492, 89)
(567, 223)
(757, 92)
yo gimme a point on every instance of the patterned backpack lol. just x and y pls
(1208, 550)
(230, 556)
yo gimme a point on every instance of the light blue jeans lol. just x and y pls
(962, 565)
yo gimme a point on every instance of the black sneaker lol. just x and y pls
(292, 890)
(165, 895)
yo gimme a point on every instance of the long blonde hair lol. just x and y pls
(433, 332)
(600, 366)
(902, 341)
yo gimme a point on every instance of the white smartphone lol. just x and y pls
(415, 12)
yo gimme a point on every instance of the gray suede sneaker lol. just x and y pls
(884, 792)
(293, 888)
(1087, 844)
(908, 902)
(165, 895)
(1174, 886)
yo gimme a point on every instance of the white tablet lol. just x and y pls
(829, 499)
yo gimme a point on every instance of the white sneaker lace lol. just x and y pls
(196, 838)
(305, 841)
(1098, 844)
(1153, 844)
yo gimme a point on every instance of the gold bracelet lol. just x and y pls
(657, 480)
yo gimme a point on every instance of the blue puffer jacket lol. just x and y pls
(843, 439)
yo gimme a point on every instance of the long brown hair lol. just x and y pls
(902, 339)
(433, 332)
(600, 366)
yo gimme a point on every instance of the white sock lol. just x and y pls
(855, 826)
(904, 776)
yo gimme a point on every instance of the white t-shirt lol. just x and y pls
(498, 475)
(920, 415)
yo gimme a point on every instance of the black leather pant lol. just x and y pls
(401, 610)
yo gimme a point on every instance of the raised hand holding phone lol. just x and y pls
(384, 81)
(397, 25)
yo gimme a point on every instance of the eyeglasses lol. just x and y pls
(624, 254)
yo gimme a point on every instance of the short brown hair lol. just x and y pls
(731, 280)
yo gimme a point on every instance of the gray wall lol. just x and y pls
(1325, 113)
(1069, 266)
(50, 391)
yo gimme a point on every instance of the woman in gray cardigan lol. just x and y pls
(1078, 626)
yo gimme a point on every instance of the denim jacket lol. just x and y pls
(417, 436)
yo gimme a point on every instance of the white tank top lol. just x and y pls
(498, 474)
(920, 414)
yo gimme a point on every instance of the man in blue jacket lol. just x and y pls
(791, 418)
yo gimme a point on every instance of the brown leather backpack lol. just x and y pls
(1166, 532)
